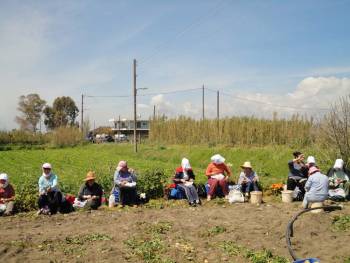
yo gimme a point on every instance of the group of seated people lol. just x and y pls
(312, 184)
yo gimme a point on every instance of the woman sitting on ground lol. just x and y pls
(7, 196)
(50, 197)
(248, 179)
(91, 192)
(125, 181)
(218, 174)
(184, 179)
(310, 161)
(297, 173)
(339, 177)
(316, 187)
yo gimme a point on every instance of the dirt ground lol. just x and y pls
(214, 232)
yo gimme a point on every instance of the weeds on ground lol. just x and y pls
(216, 230)
(148, 243)
(73, 244)
(341, 223)
(264, 256)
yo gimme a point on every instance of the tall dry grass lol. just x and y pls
(233, 131)
(66, 136)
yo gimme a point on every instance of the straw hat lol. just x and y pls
(247, 165)
(90, 176)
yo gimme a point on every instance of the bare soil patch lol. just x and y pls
(213, 232)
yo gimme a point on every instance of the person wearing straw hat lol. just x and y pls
(50, 197)
(125, 181)
(91, 192)
(339, 177)
(316, 187)
(7, 196)
(218, 174)
(248, 179)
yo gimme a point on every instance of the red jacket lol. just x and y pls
(214, 168)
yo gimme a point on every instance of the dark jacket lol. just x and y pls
(179, 174)
(297, 173)
(85, 189)
(332, 170)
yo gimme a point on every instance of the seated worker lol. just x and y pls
(50, 197)
(248, 179)
(7, 196)
(297, 173)
(339, 176)
(218, 174)
(316, 187)
(310, 161)
(91, 192)
(184, 179)
(125, 180)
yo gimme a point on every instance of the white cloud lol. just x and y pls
(143, 106)
(312, 96)
(162, 105)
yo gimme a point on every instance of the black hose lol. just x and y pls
(289, 231)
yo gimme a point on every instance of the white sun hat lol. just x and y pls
(339, 164)
(217, 159)
(311, 159)
(4, 176)
(47, 166)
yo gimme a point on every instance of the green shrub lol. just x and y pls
(152, 182)
(26, 196)
(19, 137)
(66, 136)
(341, 223)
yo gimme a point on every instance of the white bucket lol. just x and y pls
(314, 205)
(256, 197)
(287, 196)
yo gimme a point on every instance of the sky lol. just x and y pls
(262, 56)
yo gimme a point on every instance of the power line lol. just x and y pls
(142, 95)
(212, 90)
(272, 104)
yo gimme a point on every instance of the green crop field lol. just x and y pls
(71, 164)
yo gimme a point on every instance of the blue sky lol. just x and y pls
(270, 54)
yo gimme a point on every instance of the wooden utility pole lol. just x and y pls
(154, 112)
(218, 111)
(217, 106)
(82, 113)
(135, 121)
(119, 126)
(203, 102)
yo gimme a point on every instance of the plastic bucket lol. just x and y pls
(256, 197)
(314, 205)
(287, 196)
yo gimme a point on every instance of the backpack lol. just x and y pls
(201, 190)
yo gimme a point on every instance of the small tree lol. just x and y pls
(336, 127)
(31, 108)
(62, 113)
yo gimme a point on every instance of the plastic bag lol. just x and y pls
(235, 196)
